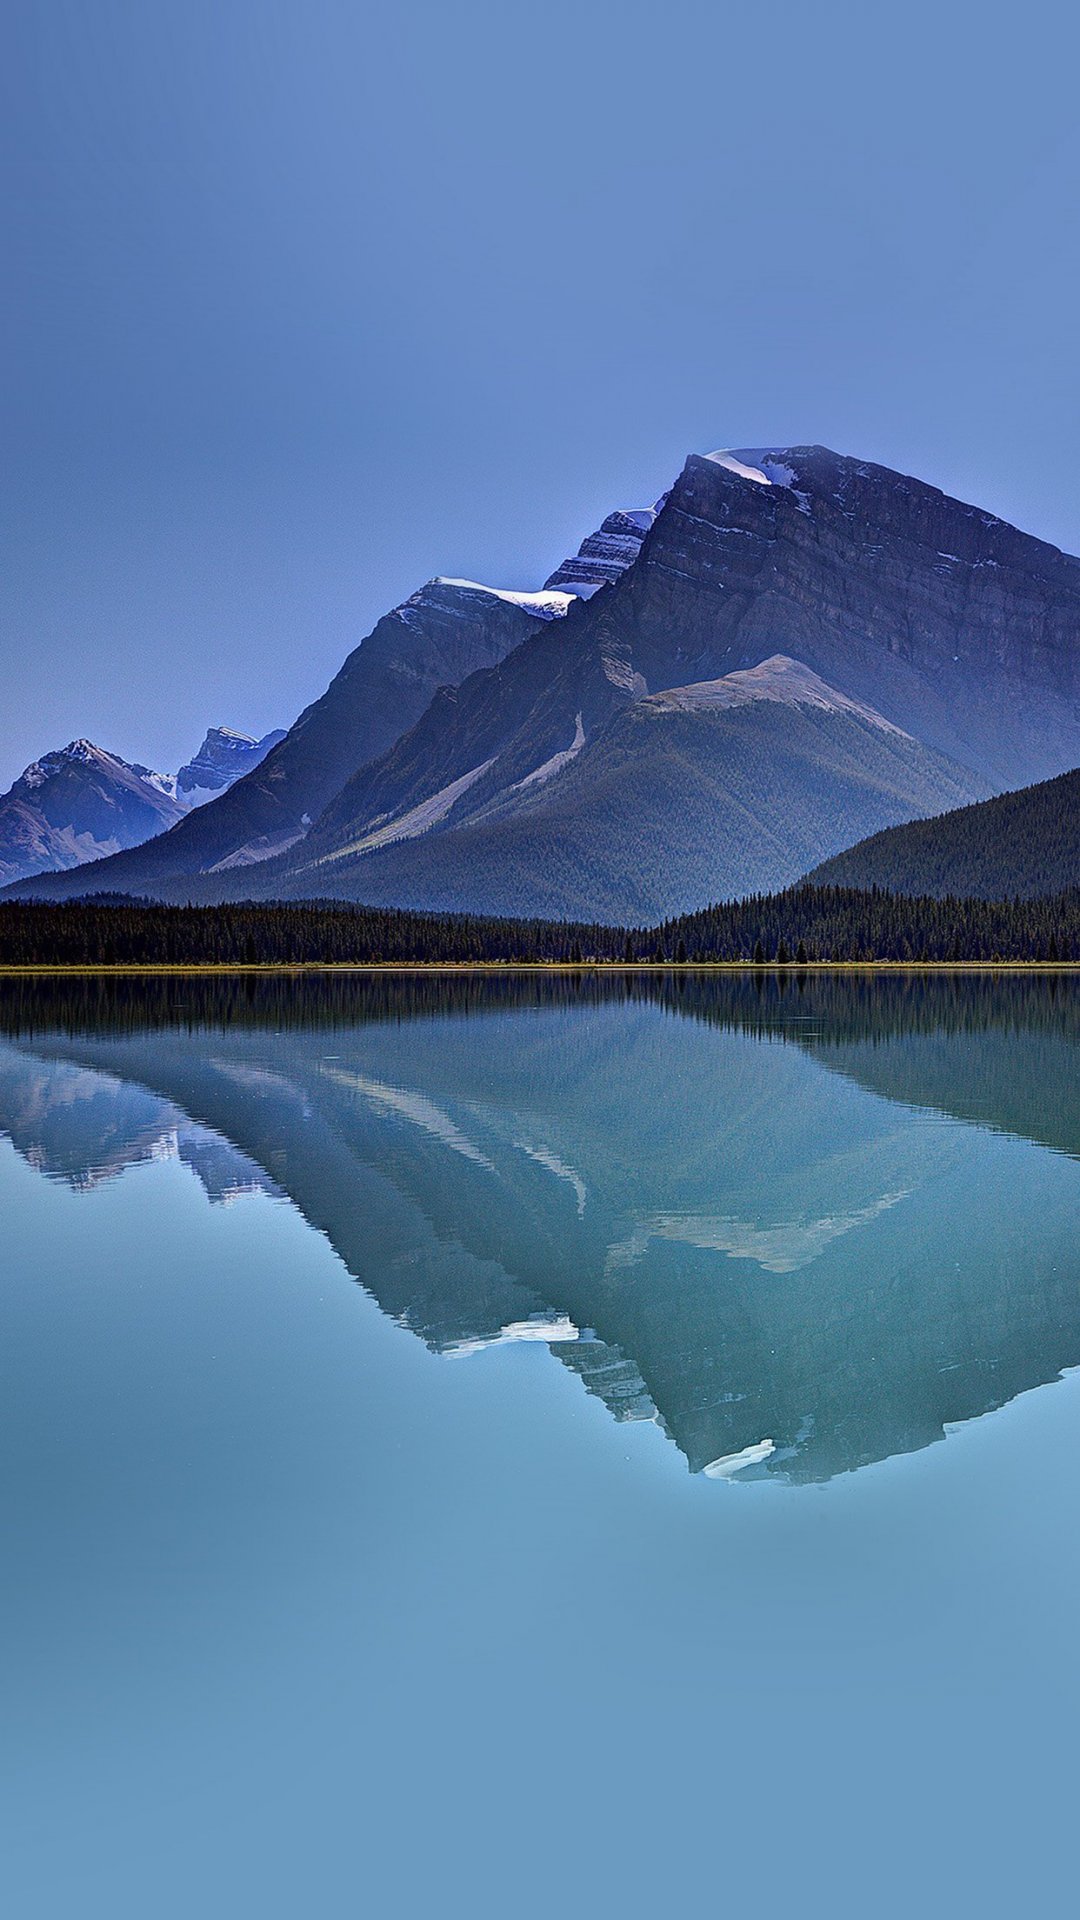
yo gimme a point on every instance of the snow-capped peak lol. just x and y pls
(549, 603)
(607, 553)
(80, 752)
(734, 464)
(765, 466)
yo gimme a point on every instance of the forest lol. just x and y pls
(801, 926)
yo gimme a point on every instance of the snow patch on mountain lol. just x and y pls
(547, 603)
(731, 1463)
(734, 465)
(765, 466)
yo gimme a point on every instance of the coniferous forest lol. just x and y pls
(802, 926)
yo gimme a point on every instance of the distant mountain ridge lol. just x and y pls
(80, 804)
(429, 762)
(439, 635)
(224, 756)
(1019, 845)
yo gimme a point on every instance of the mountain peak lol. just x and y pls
(81, 752)
(547, 604)
(779, 678)
(607, 553)
(225, 755)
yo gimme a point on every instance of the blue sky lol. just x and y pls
(314, 300)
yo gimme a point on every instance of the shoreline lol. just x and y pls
(789, 969)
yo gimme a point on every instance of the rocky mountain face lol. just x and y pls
(1018, 845)
(687, 795)
(224, 756)
(444, 632)
(948, 626)
(607, 553)
(80, 804)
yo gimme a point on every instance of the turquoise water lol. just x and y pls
(538, 1448)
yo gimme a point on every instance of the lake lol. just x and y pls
(522, 1445)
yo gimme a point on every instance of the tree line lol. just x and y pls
(801, 926)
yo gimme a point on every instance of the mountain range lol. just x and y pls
(81, 804)
(790, 651)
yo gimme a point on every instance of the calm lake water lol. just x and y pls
(522, 1447)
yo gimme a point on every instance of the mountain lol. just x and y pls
(79, 804)
(440, 634)
(1018, 845)
(949, 626)
(607, 553)
(224, 756)
(687, 795)
(946, 623)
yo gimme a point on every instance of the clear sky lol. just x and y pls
(309, 301)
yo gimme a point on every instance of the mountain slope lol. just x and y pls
(79, 804)
(441, 633)
(1021, 845)
(689, 795)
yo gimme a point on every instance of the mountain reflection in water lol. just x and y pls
(802, 1226)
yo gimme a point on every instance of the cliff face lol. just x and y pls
(954, 625)
(224, 756)
(607, 553)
